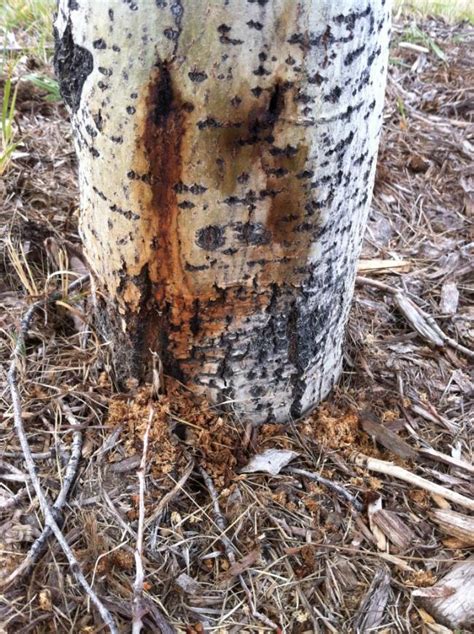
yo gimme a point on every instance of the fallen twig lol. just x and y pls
(12, 378)
(433, 417)
(442, 457)
(337, 488)
(166, 499)
(39, 545)
(14, 500)
(388, 468)
(218, 516)
(137, 607)
(376, 264)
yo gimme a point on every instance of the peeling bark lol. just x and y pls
(226, 161)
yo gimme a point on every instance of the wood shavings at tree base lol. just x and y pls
(183, 424)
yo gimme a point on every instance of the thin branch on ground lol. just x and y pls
(12, 378)
(219, 518)
(390, 469)
(13, 501)
(333, 486)
(137, 605)
(38, 547)
(442, 457)
(166, 499)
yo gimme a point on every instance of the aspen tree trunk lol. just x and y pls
(226, 161)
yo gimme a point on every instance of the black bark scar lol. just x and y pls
(72, 65)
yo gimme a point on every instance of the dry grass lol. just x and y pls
(302, 556)
(451, 10)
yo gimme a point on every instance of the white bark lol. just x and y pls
(226, 161)
(451, 600)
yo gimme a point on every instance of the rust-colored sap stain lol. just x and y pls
(163, 138)
(240, 144)
(182, 315)
(183, 318)
(287, 206)
(203, 320)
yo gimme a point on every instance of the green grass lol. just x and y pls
(26, 27)
(450, 10)
(7, 123)
(49, 85)
(414, 34)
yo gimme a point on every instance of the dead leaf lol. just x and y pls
(16, 533)
(417, 319)
(372, 607)
(373, 508)
(418, 164)
(188, 584)
(270, 461)
(436, 628)
(394, 528)
(385, 437)
(242, 565)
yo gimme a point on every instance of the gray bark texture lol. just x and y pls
(226, 160)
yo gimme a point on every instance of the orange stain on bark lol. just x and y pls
(163, 139)
(245, 139)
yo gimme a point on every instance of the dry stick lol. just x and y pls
(137, 605)
(388, 468)
(229, 547)
(442, 457)
(170, 495)
(329, 484)
(11, 502)
(423, 323)
(39, 545)
(218, 516)
(12, 379)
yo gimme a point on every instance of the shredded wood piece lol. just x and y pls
(423, 323)
(337, 488)
(455, 524)
(385, 266)
(451, 600)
